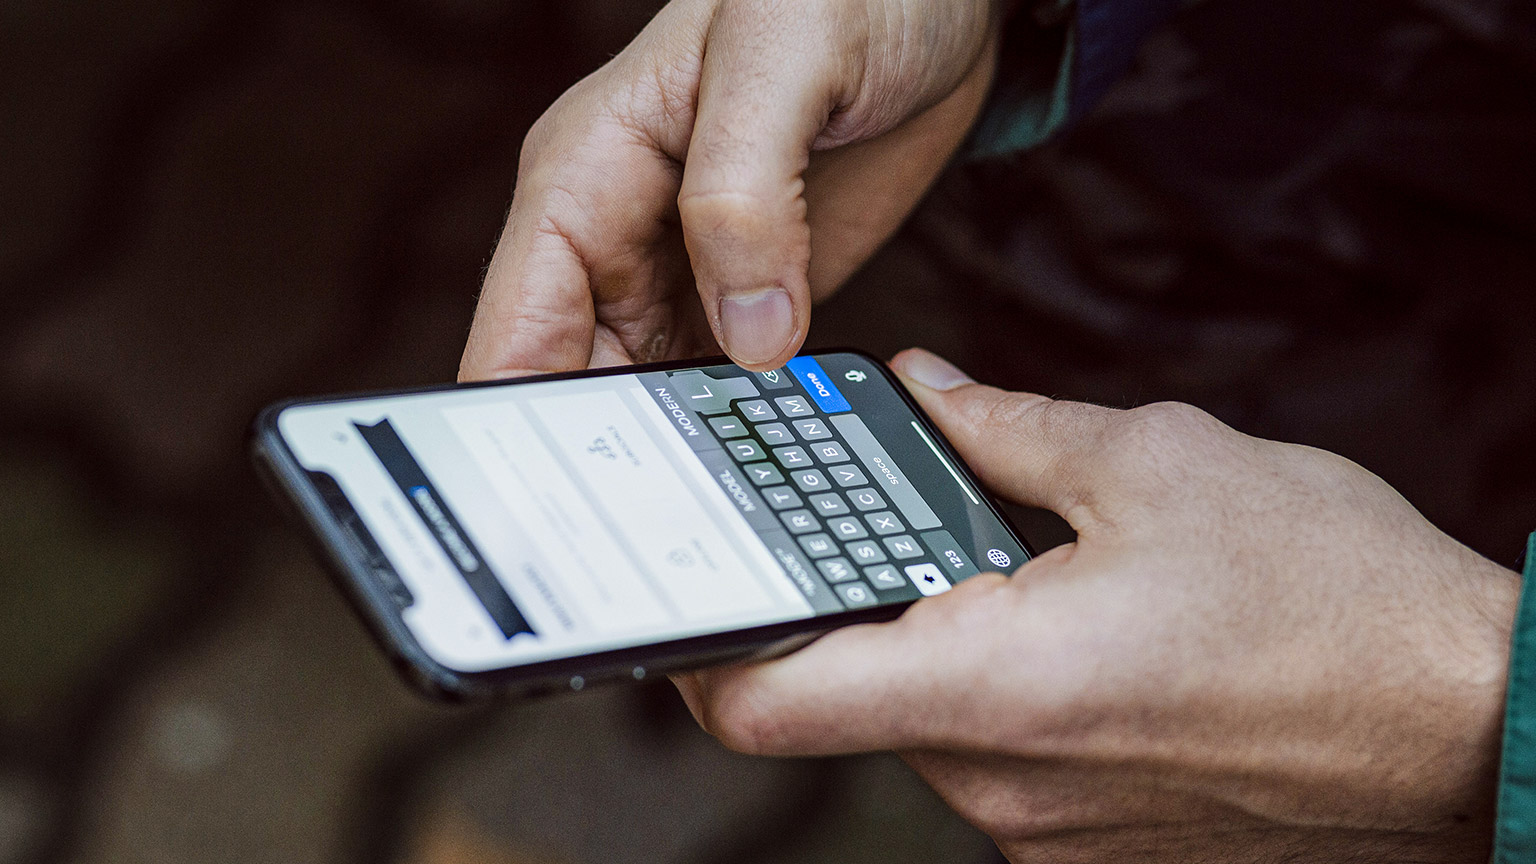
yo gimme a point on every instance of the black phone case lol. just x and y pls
(348, 565)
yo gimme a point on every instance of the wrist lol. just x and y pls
(1467, 688)
(1477, 652)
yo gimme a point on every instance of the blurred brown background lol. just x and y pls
(1314, 219)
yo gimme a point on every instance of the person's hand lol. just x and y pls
(1254, 651)
(683, 170)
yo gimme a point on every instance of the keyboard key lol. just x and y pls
(775, 379)
(707, 395)
(952, 559)
(829, 452)
(829, 504)
(856, 594)
(774, 434)
(813, 429)
(745, 451)
(928, 579)
(880, 466)
(763, 474)
(818, 545)
(865, 552)
(885, 522)
(793, 406)
(810, 481)
(885, 577)
(818, 383)
(836, 569)
(780, 497)
(758, 411)
(848, 475)
(847, 528)
(728, 427)
(791, 457)
(800, 521)
(800, 570)
(903, 547)
(865, 499)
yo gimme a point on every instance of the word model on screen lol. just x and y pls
(554, 531)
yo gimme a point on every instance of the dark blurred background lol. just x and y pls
(1315, 219)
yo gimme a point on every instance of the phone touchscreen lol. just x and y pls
(543, 520)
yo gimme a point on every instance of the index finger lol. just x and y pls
(536, 312)
(594, 189)
(590, 205)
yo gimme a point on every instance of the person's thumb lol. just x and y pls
(1026, 448)
(768, 84)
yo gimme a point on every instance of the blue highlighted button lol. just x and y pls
(816, 382)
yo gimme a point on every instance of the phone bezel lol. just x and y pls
(380, 613)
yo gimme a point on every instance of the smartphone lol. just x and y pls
(555, 531)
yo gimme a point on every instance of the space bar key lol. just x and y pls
(887, 476)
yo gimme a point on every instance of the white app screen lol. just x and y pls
(577, 505)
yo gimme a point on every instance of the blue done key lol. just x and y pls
(819, 384)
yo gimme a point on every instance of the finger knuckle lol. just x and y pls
(1177, 416)
(1027, 421)
(1001, 411)
(1164, 426)
(1162, 450)
(1064, 420)
(571, 117)
(545, 130)
(720, 211)
(539, 134)
(733, 227)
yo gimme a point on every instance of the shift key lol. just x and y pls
(882, 469)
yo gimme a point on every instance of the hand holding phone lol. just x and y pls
(1254, 651)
